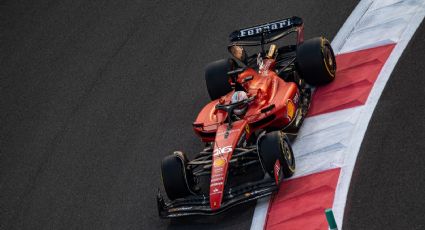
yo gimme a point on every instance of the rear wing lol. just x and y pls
(268, 32)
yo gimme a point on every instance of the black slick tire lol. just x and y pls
(175, 177)
(316, 61)
(274, 146)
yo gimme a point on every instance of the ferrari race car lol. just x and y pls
(258, 103)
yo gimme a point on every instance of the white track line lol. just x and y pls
(410, 25)
(403, 18)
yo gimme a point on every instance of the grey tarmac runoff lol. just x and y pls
(95, 93)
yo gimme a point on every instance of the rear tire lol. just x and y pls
(316, 61)
(276, 146)
(216, 78)
(176, 179)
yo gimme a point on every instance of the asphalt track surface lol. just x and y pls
(94, 94)
(387, 189)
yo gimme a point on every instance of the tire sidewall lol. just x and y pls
(271, 147)
(316, 61)
(175, 177)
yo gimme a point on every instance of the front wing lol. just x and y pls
(199, 204)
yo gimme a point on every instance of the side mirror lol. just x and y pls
(249, 78)
(236, 71)
(268, 108)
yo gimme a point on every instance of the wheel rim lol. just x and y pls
(287, 155)
(329, 60)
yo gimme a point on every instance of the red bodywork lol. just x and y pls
(274, 107)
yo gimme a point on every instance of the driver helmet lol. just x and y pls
(237, 97)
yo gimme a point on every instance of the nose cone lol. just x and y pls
(225, 142)
(218, 176)
(215, 199)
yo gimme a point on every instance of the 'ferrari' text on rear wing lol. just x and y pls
(269, 30)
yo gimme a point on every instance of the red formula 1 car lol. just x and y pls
(258, 103)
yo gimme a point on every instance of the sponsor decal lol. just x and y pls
(296, 98)
(216, 184)
(216, 179)
(259, 61)
(219, 151)
(247, 129)
(216, 191)
(219, 162)
(290, 109)
(276, 171)
(264, 68)
(218, 171)
(217, 174)
(266, 27)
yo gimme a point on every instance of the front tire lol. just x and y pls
(316, 61)
(275, 146)
(176, 179)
